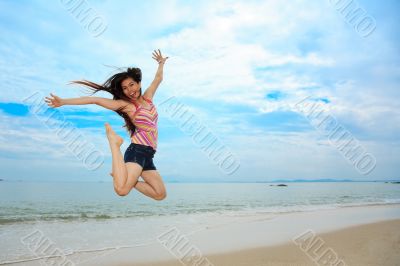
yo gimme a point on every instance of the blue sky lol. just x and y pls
(239, 66)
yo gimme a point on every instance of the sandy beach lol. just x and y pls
(367, 235)
(371, 244)
(361, 235)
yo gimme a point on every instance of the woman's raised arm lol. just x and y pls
(151, 90)
(55, 101)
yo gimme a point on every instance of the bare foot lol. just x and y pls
(113, 138)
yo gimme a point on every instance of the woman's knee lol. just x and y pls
(160, 194)
(121, 191)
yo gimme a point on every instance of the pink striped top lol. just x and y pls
(145, 120)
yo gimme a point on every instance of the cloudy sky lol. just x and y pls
(238, 67)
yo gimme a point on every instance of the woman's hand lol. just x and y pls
(53, 101)
(158, 57)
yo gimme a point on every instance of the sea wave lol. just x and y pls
(224, 209)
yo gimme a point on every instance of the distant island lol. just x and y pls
(279, 185)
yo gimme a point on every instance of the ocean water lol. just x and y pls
(80, 216)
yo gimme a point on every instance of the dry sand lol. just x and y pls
(376, 244)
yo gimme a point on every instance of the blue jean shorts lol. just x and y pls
(140, 154)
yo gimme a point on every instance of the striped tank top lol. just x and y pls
(145, 120)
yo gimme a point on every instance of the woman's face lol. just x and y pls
(131, 88)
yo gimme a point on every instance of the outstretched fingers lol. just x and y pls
(53, 101)
(157, 55)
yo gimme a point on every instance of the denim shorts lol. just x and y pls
(141, 154)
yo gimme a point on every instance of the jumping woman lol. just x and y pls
(140, 117)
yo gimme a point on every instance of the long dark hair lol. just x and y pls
(113, 86)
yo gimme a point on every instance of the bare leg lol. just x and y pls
(153, 186)
(141, 186)
(146, 189)
(119, 171)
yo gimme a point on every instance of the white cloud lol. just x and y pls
(231, 53)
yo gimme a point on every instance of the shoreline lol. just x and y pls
(314, 208)
(235, 234)
(245, 234)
